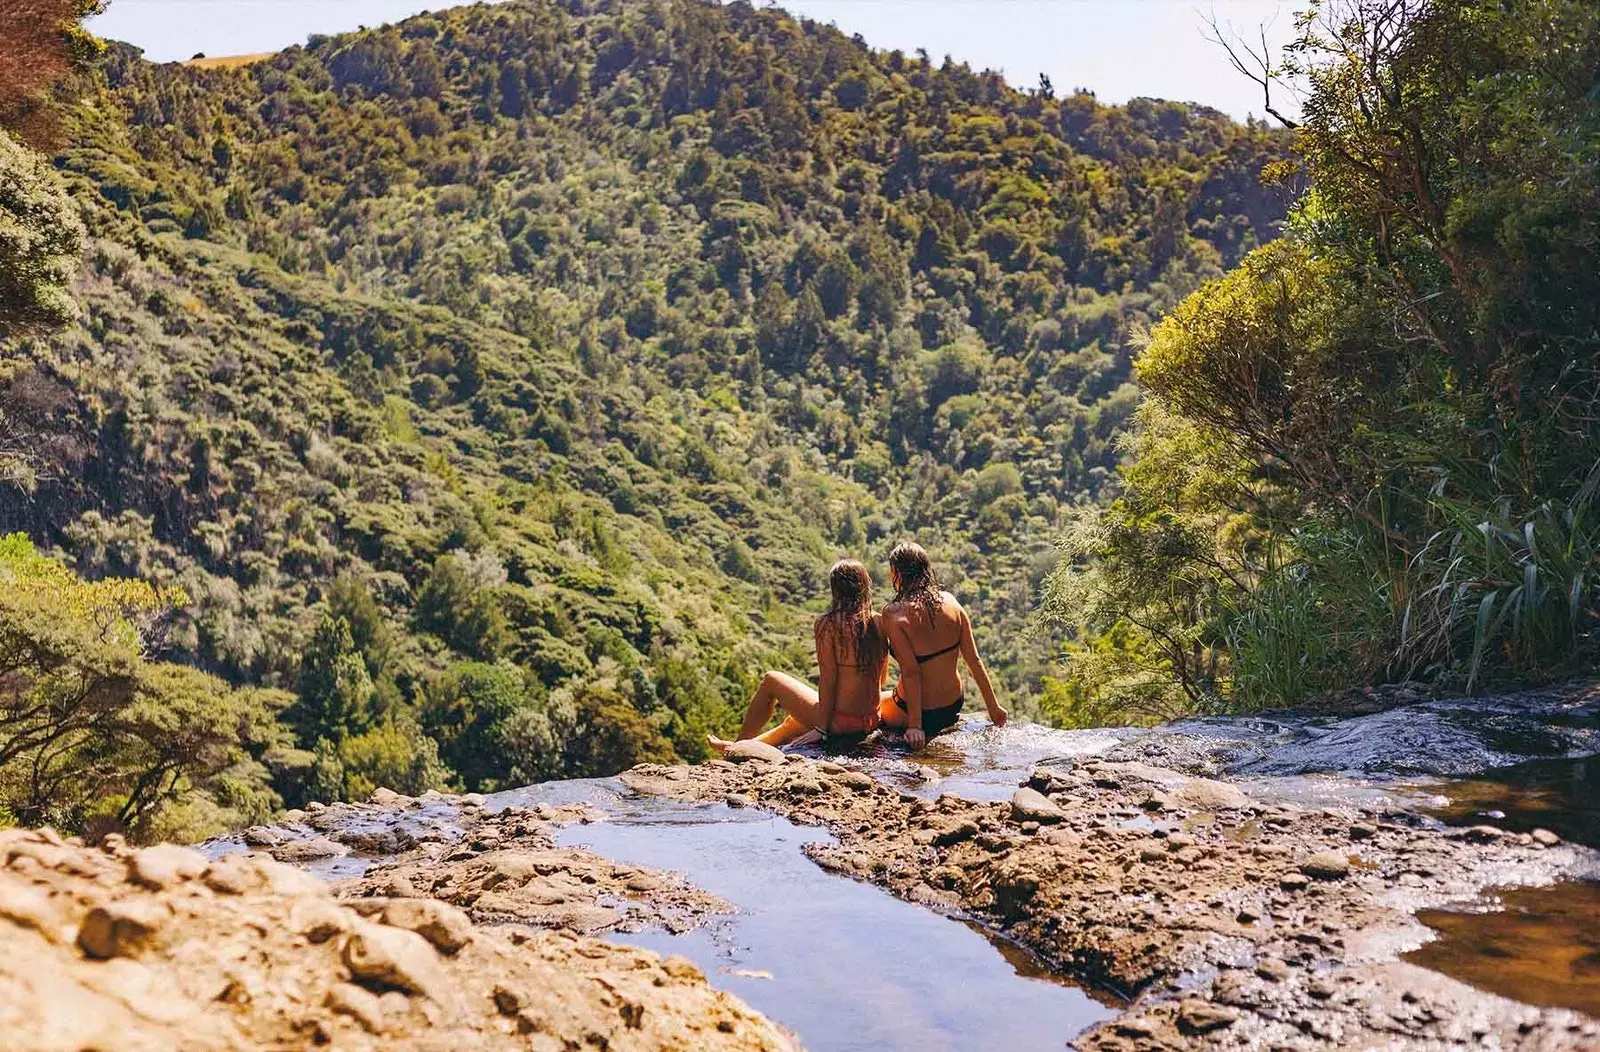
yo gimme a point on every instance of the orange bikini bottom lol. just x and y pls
(848, 723)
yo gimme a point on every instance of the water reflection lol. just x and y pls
(851, 967)
(1541, 947)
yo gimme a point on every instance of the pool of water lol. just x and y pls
(1536, 945)
(844, 965)
(1561, 795)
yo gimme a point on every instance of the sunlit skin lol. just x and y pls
(935, 683)
(845, 695)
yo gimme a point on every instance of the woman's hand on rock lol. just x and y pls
(998, 716)
(914, 737)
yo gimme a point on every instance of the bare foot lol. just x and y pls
(718, 744)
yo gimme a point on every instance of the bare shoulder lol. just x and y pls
(952, 605)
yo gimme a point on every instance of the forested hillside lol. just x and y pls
(502, 383)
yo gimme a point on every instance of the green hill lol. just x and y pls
(503, 382)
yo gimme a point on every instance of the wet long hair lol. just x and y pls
(848, 626)
(917, 586)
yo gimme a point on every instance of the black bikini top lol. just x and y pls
(923, 659)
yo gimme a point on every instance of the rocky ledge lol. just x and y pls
(1227, 922)
(163, 948)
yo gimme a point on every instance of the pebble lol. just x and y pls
(738, 800)
(1545, 837)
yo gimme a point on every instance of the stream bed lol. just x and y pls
(847, 966)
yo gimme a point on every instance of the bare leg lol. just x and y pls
(796, 697)
(784, 733)
(890, 713)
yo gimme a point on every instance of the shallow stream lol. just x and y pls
(843, 964)
(847, 966)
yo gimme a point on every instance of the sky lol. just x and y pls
(1117, 48)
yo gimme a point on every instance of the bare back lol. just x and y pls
(853, 689)
(937, 645)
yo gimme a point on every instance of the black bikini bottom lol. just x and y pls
(935, 721)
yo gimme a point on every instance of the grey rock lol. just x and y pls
(1030, 805)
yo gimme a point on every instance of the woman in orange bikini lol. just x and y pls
(928, 632)
(854, 662)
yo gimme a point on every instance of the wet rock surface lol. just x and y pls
(164, 948)
(1227, 921)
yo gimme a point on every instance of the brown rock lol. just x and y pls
(446, 927)
(120, 929)
(1205, 794)
(1030, 805)
(360, 1005)
(1545, 837)
(1326, 865)
(164, 865)
(311, 850)
(954, 831)
(758, 751)
(1201, 1017)
(394, 959)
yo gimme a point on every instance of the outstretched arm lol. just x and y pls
(910, 680)
(969, 654)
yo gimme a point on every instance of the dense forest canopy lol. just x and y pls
(501, 384)
(1370, 452)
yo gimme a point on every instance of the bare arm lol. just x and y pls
(969, 654)
(910, 678)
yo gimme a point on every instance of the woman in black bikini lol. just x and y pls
(928, 631)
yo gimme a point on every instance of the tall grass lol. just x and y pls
(1487, 597)
(1502, 592)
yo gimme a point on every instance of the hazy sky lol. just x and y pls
(1117, 48)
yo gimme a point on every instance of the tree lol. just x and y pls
(96, 737)
(335, 691)
(40, 239)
